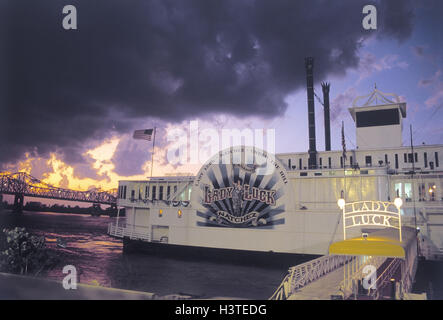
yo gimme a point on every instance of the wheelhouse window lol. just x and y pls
(377, 118)
(368, 161)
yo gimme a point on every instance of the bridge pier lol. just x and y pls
(18, 203)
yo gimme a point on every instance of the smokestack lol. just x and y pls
(309, 64)
(325, 87)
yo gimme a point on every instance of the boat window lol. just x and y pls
(421, 192)
(154, 192)
(396, 161)
(411, 158)
(408, 191)
(132, 194)
(329, 162)
(386, 159)
(425, 159)
(160, 193)
(368, 160)
(398, 192)
(289, 164)
(431, 191)
(436, 159)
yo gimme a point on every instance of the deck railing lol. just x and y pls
(303, 274)
(130, 232)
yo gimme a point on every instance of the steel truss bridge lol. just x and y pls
(21, 184)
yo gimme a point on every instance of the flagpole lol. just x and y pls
(153, 152)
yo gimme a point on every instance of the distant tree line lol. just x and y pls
(93, 209)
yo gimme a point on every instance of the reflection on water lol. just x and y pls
(99, 258)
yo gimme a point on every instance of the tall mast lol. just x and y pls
(413, 189)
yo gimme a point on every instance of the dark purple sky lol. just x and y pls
(133, 64)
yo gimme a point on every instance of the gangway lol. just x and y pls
(386, 264)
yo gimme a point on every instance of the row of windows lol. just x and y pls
(426, 191)
(408, 158)
(122, 192)
(300, 164)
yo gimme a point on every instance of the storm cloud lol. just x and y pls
(167, 60)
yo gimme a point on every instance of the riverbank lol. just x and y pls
(16, 287)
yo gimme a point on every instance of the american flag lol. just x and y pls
(343, 143)
(143, 134)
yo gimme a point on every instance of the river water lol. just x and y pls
(99, 259)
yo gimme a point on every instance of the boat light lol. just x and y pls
(398, 202)
(341, 203)
(179, 213)
(160, 212)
